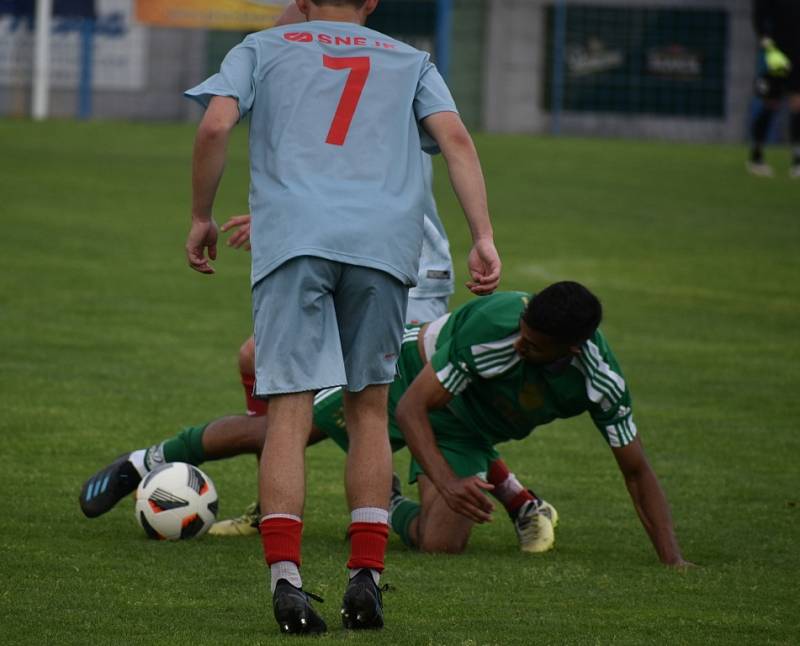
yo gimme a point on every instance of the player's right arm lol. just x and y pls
(463, 495)
(468, 183)
(208, 162)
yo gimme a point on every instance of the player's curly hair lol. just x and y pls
(566, 311)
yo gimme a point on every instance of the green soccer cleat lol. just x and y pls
(293, 610)
(362, 606)
(244, 525)
(108, 486)
(534, 525)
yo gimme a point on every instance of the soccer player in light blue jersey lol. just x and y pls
(336, 192)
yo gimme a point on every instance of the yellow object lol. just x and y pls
(778, 64)
(237, 15)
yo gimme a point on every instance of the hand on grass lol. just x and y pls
(203, 235)
(682, 566)
(241, 237)
(466, 496)
(484, 267)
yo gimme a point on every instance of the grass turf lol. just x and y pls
(110, 342)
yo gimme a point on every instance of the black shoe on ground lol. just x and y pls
(362, 606)
(293, 612)
(108, 486)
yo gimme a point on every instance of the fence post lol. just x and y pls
(41, 60)
(444, 23)
(559, 46)
(87, 50)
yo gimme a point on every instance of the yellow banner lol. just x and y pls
(238, 15)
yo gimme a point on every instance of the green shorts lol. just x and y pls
(466, 453)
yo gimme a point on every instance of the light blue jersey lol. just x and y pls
(435, 263)
(335, 164)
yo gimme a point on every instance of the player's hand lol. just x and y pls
(203, 235)
(466, 496)
(682, 566)
(241, 237)
(484, 267)
(778, 64)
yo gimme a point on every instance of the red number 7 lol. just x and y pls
(359, 70)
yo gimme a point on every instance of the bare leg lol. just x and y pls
(282, 468)
(227, 437)
(438, 528)
(247, 356)
(368, 475)
(234, 435)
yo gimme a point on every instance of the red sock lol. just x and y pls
(507, 489)
(513, 505)
(255, 407)
(367, 545)
(281, 538)
(498, 472)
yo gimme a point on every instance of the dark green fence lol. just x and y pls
(636, 60)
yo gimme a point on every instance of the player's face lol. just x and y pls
(538, 348)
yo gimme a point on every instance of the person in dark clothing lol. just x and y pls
(777, 25)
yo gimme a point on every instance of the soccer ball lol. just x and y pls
(176, 501)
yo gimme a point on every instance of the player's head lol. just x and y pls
(336, 9)
(557, 321)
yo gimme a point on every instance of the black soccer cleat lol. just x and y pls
(108, 486)
(362, 606)
(293, 611)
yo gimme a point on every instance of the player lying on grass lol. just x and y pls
(493, 370)
(427, 301)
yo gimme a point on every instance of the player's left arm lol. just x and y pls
(465, 496)
(208, 163)
(466, 177)
(612, 413)
(650, 502)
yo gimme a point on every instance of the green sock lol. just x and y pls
(186, 446)
(400, 519)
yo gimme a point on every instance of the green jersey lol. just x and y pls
(498, 396)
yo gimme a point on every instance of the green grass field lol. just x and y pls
(109, 342)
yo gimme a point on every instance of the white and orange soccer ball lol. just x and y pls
(176, 501)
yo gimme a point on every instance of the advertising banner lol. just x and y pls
(641, 60)
(119, 57)
(236, 15)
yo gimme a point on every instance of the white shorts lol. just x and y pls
(430, 308)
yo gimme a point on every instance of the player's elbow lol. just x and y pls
(403, 412)
(457, 145)
(212, 130)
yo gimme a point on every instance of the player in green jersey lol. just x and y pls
(492, 370)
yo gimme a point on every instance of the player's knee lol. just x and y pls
(443, 544)
(247, 364)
